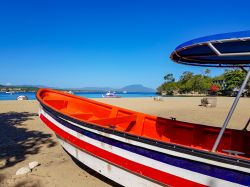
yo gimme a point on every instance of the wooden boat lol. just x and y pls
(136, 149)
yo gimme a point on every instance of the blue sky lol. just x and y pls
(106, 43)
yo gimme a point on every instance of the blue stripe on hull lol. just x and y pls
(203, 168)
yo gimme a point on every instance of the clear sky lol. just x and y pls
(106, 43)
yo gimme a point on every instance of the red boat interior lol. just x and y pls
(190, 135)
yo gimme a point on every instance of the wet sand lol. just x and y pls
(24, 138)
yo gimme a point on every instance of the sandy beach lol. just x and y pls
(24, 138)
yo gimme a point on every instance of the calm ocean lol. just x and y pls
(31, 95)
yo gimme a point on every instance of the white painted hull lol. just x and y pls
(106, 169)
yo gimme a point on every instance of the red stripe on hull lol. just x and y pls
(134, 167)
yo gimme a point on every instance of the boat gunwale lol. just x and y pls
(166, 145)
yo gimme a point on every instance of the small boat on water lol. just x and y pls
(110, 94)
(10, 92)
(22, 97)
(137, 149)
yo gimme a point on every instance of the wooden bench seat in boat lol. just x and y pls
(83, 116)
(58, 104)
(119, 123)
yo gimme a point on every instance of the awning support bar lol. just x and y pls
(236, 100)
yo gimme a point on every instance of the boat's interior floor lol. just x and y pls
(190, 135)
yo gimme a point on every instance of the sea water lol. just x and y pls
(32, 95)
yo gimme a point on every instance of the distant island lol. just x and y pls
(17, 88)
(33, 88)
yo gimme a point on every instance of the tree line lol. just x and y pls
(224, 84)
(18, 88)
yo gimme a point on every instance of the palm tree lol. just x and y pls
(169, 78)
(207, 72)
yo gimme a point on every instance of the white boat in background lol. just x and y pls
(125, 92)
(10, 92)
(110, 94)
(22, 97)
(70, 92)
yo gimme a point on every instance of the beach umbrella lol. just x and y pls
(221, 50)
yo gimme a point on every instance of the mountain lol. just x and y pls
(96, 88)
(129, 88)
(136, 88)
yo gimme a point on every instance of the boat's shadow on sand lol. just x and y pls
(16, 141)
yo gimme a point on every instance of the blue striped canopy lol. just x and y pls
(225, 50)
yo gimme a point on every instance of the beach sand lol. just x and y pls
(24, 138)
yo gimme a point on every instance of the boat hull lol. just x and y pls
(105, 168)
(135, 163)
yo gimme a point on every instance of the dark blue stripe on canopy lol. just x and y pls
(230, 35)
(228, 49)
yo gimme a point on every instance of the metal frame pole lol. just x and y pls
(236, 100)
